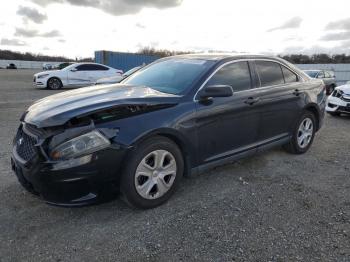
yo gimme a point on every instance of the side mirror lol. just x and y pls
(320, 76)
(74, 70)
(215, 91)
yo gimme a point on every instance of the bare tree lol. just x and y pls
(160, 52)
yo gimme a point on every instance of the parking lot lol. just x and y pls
(271, 207)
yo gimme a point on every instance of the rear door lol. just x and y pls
(78, 76)
(99, 71)
(280, 94)
(227, 125)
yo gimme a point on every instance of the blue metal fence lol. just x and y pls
(123, 61)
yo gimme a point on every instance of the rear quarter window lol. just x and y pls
(289, 76)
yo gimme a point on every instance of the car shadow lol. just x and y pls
(192, 187)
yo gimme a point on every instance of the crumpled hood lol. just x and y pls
(344, 88)
(58, 109)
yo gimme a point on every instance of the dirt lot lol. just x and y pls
(271, 207)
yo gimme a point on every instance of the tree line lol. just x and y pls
(160, 52)
(318, 59)
(12, 55)
(293, 58)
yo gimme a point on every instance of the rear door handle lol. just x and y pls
(252, 100)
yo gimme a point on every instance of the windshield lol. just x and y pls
(174, 76)
(312, 74)
(131, 71)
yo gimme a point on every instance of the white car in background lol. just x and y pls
(117, 79)
(339, 101)
(75, 75)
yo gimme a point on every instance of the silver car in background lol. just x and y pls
(116, 79)
(327, 76)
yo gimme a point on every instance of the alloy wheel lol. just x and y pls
(54, 83)
(155, 174)
(305, 132)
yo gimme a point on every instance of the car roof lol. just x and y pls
(221, 56)
(226, 57)
(86, 63)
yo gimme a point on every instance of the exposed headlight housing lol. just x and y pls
(81, 145)
(42, 76)
(337, 93)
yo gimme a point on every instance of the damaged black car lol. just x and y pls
(177, 116)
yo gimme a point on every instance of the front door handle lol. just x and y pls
(252, 100)
(296, 92)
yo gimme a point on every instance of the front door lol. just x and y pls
(227, 125)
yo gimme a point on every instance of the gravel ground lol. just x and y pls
(271, 207)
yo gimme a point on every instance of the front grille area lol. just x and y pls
(344, 109)
(25, 145)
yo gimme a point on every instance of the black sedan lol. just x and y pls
(177, 116)
(11, 66)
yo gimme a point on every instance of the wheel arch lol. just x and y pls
(313, 108)
(178, 139)
(54, 76)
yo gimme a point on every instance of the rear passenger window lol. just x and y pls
(327, 74)
(320, 75)
(92, 67)
(99, 68)
(270, 73)
(236, 75)
(289, 76)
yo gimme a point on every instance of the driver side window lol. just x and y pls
(82, 68)
(236, 75)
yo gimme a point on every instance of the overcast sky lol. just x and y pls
(76, 28)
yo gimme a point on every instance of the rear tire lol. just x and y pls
(303, 134)
(152, 173)
(54, 83)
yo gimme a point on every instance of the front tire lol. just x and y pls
(54, 83)
(303, 134)
(153, 171)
